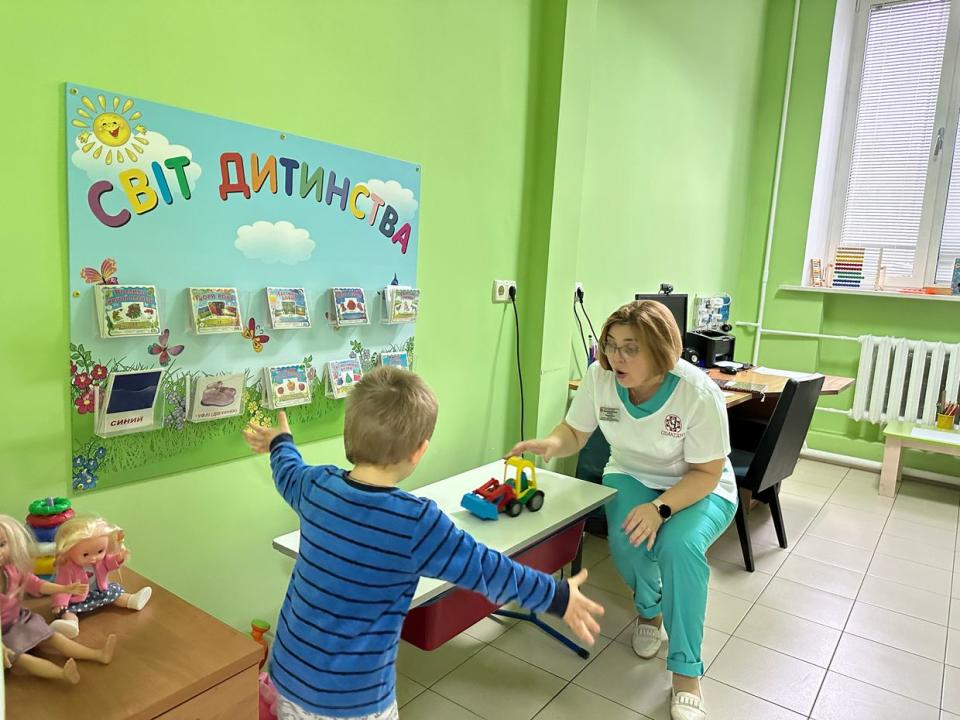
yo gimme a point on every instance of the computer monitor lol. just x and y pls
(677, 304)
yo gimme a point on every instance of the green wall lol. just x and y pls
(671, 119)
(410, 80)
(805, 312)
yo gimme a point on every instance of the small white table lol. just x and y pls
(567, 501)
(546, 540)
(899, 435)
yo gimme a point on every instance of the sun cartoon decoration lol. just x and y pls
(106, 127)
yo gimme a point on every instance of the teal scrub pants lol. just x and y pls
(672, 578)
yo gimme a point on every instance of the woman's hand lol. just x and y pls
(546, 448)
(642, 525)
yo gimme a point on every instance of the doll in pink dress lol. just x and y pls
(23, 630)
(88, 549)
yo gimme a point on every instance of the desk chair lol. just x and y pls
(763, 455)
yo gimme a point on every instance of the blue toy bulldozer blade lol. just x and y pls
(481, 508)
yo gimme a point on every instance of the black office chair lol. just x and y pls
(592, 460)
(765, 454)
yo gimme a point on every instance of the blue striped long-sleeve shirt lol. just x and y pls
(363, 550)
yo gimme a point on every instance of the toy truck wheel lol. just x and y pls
(535, 502)
(513, 508)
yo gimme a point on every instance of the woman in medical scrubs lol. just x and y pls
(666, 423)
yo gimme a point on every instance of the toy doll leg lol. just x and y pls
(81, 652)
(39, 667)
(67, 625)
(135, 601)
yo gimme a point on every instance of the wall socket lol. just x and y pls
(577, 289)
(501, 290)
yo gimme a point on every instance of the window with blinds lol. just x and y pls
(894, 155)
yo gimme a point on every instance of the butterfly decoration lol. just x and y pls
(161, 348)
(103, 276)
(254, 333)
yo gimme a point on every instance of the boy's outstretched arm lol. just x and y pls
(288, 466)
(442, 550)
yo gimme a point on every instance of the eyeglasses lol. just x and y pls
(628, 351)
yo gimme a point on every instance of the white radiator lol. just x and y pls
(901, 379)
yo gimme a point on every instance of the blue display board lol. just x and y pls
(165, 197)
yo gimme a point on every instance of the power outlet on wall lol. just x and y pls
(577, 290)
(501, 290)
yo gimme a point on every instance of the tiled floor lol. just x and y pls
(859, 619)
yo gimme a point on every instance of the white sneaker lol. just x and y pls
(139, 599)
(67, 628)
(646, 640)
(687, 706)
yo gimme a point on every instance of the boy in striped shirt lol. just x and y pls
(365, 543)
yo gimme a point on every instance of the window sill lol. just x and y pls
(869, 293)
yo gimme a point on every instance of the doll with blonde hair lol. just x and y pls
(23, 630)
(88, 549)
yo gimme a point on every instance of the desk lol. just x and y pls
(568, 501)
(173, 662)
(900, 434)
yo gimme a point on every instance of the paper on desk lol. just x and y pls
(938, 435)
(728, 394)
(785, 373)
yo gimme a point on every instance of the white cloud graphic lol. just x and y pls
(393, 194)
(279, 242)
(159, 149)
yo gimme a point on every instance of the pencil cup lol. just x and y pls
(945, 422)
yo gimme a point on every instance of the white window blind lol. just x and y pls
(900, 81)
(950, 239)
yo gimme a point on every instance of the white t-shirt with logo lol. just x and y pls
(690, 427)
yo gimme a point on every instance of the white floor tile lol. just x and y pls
(407, 689)
(619, 611)
(595, 550)
(951, 690)
(905, 599)
(924, 511)
(521, 690)
(427, 667)
(788, 634)
(830, 578)
(806, 602)
(575, 703)
(770, 675)
(886, 667)
(533, 645)
(724, 612)
(735, 580)
(843, 698)
(956, 585)
(619, 675)
(430, 706)
(944, 494)
(490, 628)
(860, 490)
(900, 631)
(848, 526)
(604, 575)
(944, 715)
(766, 558)
(920, 552)
(810, 491)
(953, 648)
(920, 533)
(818, 473)
(726, 703)
(955, 614)
(907, 572)
(833, 553)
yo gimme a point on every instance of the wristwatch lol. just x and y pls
(663, 509)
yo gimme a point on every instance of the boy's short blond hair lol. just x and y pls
(389, 414)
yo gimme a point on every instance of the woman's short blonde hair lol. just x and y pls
(389, 414)
(654, 329)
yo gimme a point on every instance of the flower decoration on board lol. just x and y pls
(254, 409)
(254, 333)
(368, 360)
(86, 376)
(106, 275)
(86, 463)
(163, 349)
(178, 410)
